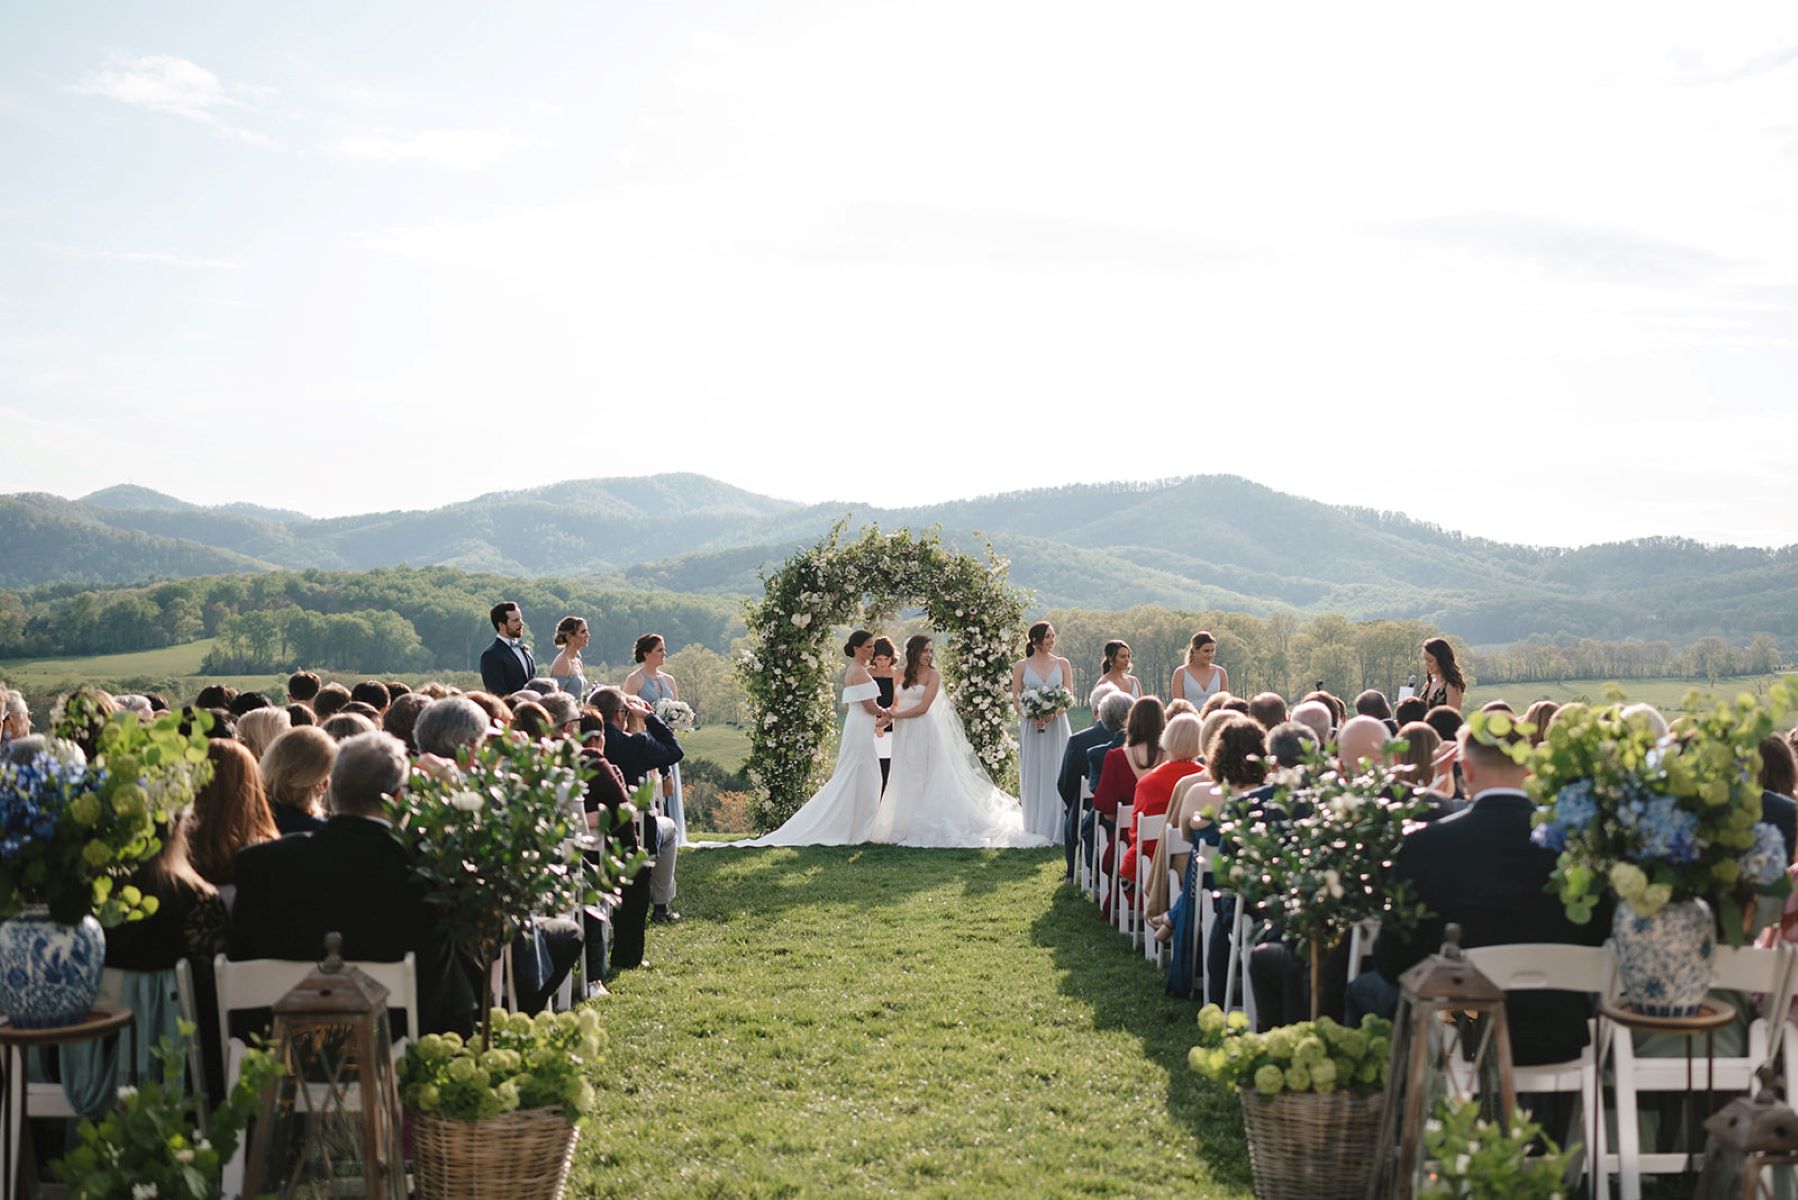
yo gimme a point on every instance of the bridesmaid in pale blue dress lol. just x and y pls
(1041, 740)
(1199, 678)
(568, 672)
(655, 685)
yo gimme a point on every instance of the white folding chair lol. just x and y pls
(1236, 974)
(1085, 868)
(1748, 969)
(1361, 942)
(1120, 919)
(1204, 919)
(1148, 829)
(1552, 966)
(258, 983)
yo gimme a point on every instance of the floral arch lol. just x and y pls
(793, 670)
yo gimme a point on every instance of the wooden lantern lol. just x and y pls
(330, 1124)
(1749, 1138)
(1450, 1041)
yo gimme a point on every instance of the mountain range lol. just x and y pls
(1197, 543)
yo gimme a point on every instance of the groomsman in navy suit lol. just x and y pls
(507, 665)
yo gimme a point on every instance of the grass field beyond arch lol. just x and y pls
(885, 1021)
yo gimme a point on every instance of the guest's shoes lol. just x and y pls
(596, 989)
(1164, 929)
(663, 916)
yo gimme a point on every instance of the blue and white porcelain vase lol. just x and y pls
(1664, 961)
(49, 972)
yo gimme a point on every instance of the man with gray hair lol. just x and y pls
(1315, 715)
(447, 725)
(1073, 767)
(352, 877)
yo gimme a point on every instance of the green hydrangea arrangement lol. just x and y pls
(150, 1144)
(1481, 1160)
(1313, 1056)
(530, 1062)
(73, 830)
(1656, 818)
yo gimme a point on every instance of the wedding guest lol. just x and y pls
(1361, 740)
(352, 877)
(395, 689)
(1648, 716)
(653, 685)
(362, 708)
(159, 703)
(296, 772)
(229, 813)
(1428, 766)
(1779, 783)
(402, 715)
(1234, 751)
(449, 724)
(1373, 703)
(1180, 748)
(131, 702)
(302, 687)
(1177, 708)
(1041, 740)
(606, 798)
(1479, 869)
(243, 703)
(436, 691)
(532, 720)
(216, 695)
(1443, 682)
(507, 664)
(1212, 703)
(373, 693)
(1445, 721)
(1123, 767)
(1315, 716)
(1073, 761)
(1338, 710)
(1114, 669)
(497, 710)
(219, 722)
(300, 714)
(348, 725)
(1199, 678)
(1411, 708)
(330, 700)
(1539, 715)
(637, 756)
(96, 707)
(568, 672)
(17, 717)
(256, 729)
(1268, 709)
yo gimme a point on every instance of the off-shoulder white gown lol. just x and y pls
(842, 812)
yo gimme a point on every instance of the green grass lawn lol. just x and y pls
(726, 745)
(886, 1021)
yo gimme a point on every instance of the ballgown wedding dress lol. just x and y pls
(842, 812)
(937, 793)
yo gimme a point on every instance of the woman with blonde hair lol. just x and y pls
(296, 774)
(259, 727)
(1180, 747)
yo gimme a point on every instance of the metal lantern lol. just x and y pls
(330, 1124)
(1450, 1041)
(1748, 1139)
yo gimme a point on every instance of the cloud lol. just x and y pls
(1582, 249)
(164, 83)
(455, 149)
(155, 258)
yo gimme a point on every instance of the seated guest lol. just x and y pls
(1445, 721)
(1234, 748)
(1073, 763)
(97, 708)
(1214, 702)
(1779, 781)
(1411, 708)
(396, 689)
(1648, 716)
(1122, 766)
(362, 708)
(1361, 740)
(402, 715)
(637, 756)
(1180, 747)
(532, 719)
(373, 693)
(15, 720)
(497, 710)
(437, 691)
(1540, 715)
(352, 877)
(247, 702)
(1331, 701)
(1479, 869)
(1427, 768)
(1315, 716)
(302, 686)
(346, 725)
(1181, 706)
(216, 695)
(229, 813)
(300, 714)
(1267, 709)
(330, 700)
(296, 773)
(257, 728)
(448, 725)
(132, 702)
(605, 799)
(1373, 703)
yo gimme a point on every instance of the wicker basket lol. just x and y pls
(1304, 1146)
(517, 1156)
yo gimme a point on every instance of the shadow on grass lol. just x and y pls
(768, 882)
(1126, 992)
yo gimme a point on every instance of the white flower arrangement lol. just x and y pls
(676, 714)
(1041, 703)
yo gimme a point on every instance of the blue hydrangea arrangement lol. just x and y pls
(1656, 817)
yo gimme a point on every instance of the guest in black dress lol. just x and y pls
(881, 667)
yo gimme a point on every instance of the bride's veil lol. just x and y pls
(959, 751)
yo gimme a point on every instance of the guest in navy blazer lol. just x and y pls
(1109, 716)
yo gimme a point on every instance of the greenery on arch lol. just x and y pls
(793, 671)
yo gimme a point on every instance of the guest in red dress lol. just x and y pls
(1180, 747)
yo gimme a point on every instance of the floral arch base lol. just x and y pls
(793, 670)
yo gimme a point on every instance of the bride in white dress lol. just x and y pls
(937, 794)
(843, 810)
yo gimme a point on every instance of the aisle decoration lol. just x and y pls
(1667, 823)
(1330, 866)
(1490, 1160)
(1311, 1098)
(791, 669)
(71, 832)
(497, 839)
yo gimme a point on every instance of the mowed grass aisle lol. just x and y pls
(884, 1021)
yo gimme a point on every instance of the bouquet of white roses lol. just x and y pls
(676, 715)
(1041, 703)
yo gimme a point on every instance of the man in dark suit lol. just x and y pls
(1073, 761)
(351, 877)
(638, 756)
(507, 665)
(1479, 869)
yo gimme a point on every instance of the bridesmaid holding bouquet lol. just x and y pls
(1040, 689)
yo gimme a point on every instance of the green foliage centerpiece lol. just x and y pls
(1490, 1160)
(1321, 860)
(1667, 822)
(791, 670)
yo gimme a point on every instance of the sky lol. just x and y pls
(1528, 271)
